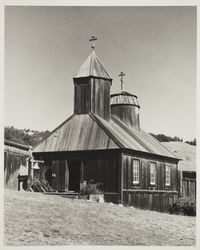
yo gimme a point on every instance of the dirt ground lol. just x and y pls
(32, 219)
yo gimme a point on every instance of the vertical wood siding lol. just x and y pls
(188, 179)
(82, 98)
(144, 178)
(152, 200)
(100, 98)
(92, 95)
(189, 187)
(144, 195)
(128, 114)
(99, 168)
(12, 165)
(103, 171)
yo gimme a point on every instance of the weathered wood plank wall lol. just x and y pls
(92, 95)
(187, 183)
(103, 171)
(144, 195)
(144, 176)
(100, 104)
(128, 114)
(152, 200)
(99, 167)
(14, 160)
(189, 187)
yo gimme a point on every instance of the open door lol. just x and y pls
(60, 176)
(74, 175)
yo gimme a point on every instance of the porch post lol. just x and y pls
(121, 177)
(66, 176)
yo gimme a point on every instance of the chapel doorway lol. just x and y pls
(74, 175)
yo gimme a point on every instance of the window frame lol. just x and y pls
(133, 182)
(152, 163)
(167, 176)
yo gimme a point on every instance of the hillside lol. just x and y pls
(24, 136)
(38, 219)
(184, 151)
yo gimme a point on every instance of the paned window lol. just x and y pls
(167, 176)
(135, 167)
(152, 173)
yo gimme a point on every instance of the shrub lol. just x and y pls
(184, 205)
(92, 188)
(36, 185)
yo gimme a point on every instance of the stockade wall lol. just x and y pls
(14, 161)
(188, 183)
(189, 187)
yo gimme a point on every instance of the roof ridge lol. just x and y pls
(99, 61)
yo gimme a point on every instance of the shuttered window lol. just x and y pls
(152, 173)
(167, 176)
(135, 167)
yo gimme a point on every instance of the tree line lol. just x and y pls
(24, 136)
(165, 138)
(32, 137)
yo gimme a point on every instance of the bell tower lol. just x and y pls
(92, 87)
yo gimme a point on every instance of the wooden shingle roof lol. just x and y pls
(13, 147)
(79, 132)
(92, 67)
(90, 132)
(124, 98)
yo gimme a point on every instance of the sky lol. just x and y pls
(154, 46)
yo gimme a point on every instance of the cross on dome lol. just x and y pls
(93, 39)
(121, 79)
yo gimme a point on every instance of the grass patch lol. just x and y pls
(32, 219)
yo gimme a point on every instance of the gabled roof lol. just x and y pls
(92, 67)
(79, 132)
(90, 132)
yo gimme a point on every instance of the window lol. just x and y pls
(152, 173)
(167, 176)
(135, 167)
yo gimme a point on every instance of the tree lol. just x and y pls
(22, 136)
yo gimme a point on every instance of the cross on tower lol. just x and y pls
(121, 79)
(92, 39)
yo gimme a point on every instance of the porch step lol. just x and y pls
(70, 195)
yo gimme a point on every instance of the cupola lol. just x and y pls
(92, 87)
(125, 107)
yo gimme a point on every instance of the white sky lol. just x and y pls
(154, 46)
